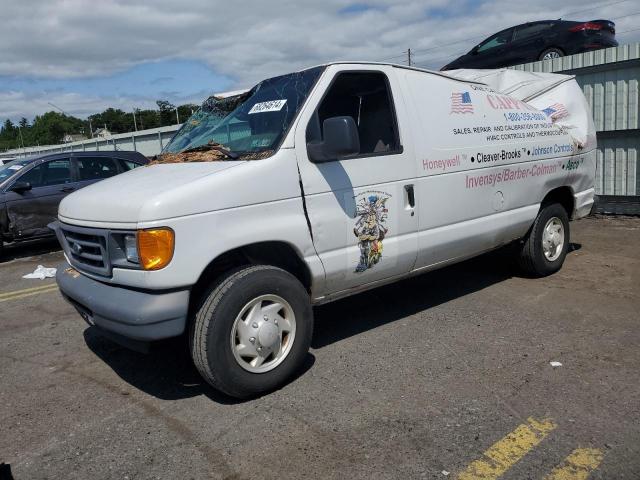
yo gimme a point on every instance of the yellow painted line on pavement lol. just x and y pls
(27, 292)
(578, 465)
(506, 452)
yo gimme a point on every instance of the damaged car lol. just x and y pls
(32, 188)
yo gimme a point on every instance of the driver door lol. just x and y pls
(32, 210)
(361, 209)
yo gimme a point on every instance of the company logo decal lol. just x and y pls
(504, 102)
(370, 229)
(461, 103)
(556, 111)
(441, 165)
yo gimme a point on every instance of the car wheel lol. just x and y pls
(551, 53)
(252, 332)
(544, 248)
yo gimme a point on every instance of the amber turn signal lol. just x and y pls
(155, 247)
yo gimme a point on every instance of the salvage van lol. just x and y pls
(316, 185)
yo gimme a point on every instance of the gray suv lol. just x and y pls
(31, 188)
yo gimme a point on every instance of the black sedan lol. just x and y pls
(543, 40)
(31, 188)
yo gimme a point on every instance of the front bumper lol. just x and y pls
(135, 314)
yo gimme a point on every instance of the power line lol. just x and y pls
(627, 31)
(403, 55)
(626, 16)
(446, 45)
(594, 8)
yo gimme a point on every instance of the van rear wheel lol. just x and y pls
(252, 331)
(544, 248)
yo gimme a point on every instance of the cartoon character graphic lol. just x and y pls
(370, 228)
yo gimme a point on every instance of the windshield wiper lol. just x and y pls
(213, 146)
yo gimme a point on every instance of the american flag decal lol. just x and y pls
(461, 102)
(556, 111)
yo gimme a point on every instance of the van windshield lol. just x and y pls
(249, 123)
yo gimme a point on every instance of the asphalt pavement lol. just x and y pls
(446, 375)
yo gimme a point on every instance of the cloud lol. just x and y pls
(250, 40)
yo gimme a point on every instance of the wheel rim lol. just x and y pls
(551, 55)
(553, 239)
(263, 333)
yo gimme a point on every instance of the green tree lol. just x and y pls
(185, 111)
(167, 112)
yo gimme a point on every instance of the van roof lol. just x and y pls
(395, 65)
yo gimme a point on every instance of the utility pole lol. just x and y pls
(135, 125)
(177, 117)
(409, 57)
(90, 127)
(21, 139)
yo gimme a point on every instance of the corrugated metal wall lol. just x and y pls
(609, 79)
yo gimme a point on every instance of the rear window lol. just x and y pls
(529, 31)
(127, 165)
(96, 168)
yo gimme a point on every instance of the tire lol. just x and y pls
(552, 52)
(215, 349)
(532, 258)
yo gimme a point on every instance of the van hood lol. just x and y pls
(144, 194)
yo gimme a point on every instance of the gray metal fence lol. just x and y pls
(148, 142)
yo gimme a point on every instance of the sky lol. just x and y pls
(85, 55)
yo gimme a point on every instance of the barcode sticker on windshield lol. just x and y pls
(270, 106)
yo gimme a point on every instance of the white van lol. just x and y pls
(317, 185)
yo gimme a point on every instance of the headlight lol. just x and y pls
(155, 247)
(131, 248)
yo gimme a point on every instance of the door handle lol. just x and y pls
(411, 198)
(67, 189)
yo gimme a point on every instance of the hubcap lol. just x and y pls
(263, 333)
(551, 55)
(553, 239)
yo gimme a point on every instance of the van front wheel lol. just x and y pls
(544, 248)
(252, 331)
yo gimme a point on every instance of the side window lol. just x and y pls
(55, 172)
(528, 31)
(364, 96)
(96, 168)
(497, 40)
(33, 176)
(127, 165)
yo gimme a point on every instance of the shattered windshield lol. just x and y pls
(247, 125)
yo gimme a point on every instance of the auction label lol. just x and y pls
(270, 106)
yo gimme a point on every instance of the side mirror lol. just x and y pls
(474, 50)
(20, 187)
(341, 139)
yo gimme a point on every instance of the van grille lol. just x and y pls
(87, 249)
